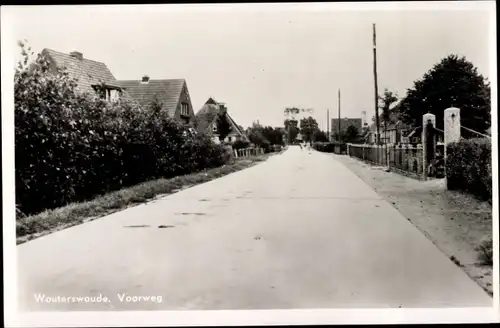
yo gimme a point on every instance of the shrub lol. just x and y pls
(485, 250)
(266, 145)
(468, 167)
(329, 147)
(71, 147)
(240, 144)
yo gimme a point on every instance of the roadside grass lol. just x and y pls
(485, 250)
(49, 221)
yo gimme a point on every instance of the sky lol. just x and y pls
(260, 59)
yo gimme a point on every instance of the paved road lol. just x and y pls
(297, 231)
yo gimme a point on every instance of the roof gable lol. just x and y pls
(206, 116)
(87, 72)
(166, 91)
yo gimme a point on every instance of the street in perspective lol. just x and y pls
(252, 159)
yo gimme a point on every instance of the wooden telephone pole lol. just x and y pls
(328, 124)
(376, 83)
(338, 135)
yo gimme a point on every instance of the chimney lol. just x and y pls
(76, 54)
(222, 108)
(145, 79)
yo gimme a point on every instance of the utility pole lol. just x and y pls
(328, 124)
(338, 135)
(376, 83)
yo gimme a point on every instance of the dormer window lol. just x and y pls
(109, 93)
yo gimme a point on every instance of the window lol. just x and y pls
(184, 109)
(109, 94)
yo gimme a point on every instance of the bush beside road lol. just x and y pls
(468, 167)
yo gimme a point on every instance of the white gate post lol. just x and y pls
(451, 127)
(425, 120)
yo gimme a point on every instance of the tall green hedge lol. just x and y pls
(71, 147)
(468, 167)
(329, 147)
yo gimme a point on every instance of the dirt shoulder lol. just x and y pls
(455, 222)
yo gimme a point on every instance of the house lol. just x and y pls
(172, 94)
(90, 74)
(206, 122)
(393, 133)
(344, 124)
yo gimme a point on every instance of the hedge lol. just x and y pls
(71, 147)
(240, 144)
(329, 147)
(468, 167)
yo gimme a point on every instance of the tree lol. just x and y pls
(256, 136)
(222, 126)
(290, 115)
(385, 105)
(273, 135)
(453, 82)
(292, 130)
(307, 128)
(320, 136)
(351, 134)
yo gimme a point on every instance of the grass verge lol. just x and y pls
(47, 222)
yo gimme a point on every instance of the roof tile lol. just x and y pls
(87, 72)
(166, 91)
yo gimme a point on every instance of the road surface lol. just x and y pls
(297, 231)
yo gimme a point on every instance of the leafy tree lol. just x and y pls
(222, 125)
(273, 135)
(292, 130)
(307, 128)
(290, 121)
(320, 136)
(388, 113)
(351, 134)
(257, 137)
(385, 103)
(453, 82)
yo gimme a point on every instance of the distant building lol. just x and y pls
(173, 95)
(344, 124)
(206, 122)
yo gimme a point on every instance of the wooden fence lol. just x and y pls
(407, 158)
(248, 152)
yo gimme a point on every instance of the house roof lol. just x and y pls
(167, 91)
(207, 114)
(87, 72)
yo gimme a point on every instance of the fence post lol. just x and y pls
(427, 119)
